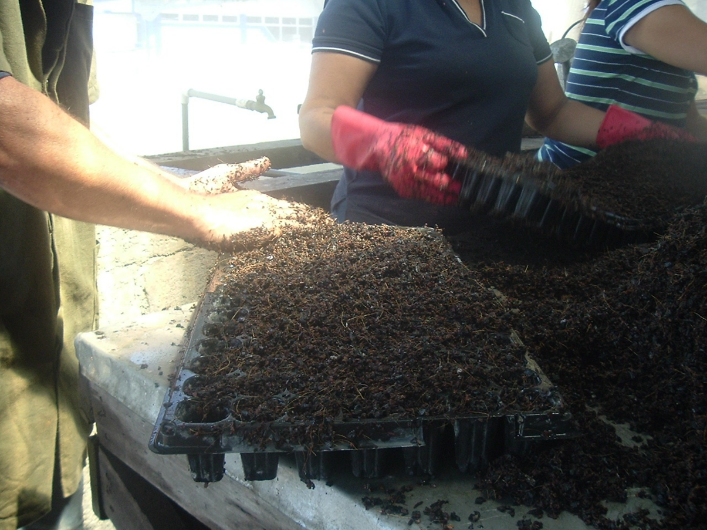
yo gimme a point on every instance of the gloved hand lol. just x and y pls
(412, 159)
(620, 125)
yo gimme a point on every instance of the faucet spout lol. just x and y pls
(260, 105)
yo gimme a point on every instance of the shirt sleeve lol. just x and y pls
(4, 74)
(353, 28)
(524, 11)
(622, 15)
(541, 48)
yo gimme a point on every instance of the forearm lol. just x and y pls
(574, 123)
(315, 131)
(51, 161)
(674, 35)
(696, 123)
(552, 114)
(335, 80)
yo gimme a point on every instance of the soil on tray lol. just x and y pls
(622, 333)
(350, 322)
(641, 181)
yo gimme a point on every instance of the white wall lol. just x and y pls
(558, 15)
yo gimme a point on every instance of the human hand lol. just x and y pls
(224, 178)
(245, 219)
(412, 159)
(621, 125)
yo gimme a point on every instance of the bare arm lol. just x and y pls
(335, 79)
(696, 123)
(674, 35)
(54, 163)
(552, 114)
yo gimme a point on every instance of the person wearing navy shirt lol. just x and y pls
(399, 88)
(468, 71)
(640, 55)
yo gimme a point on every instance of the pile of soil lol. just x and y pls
(644, 180)
(350, 322)
(622, 334)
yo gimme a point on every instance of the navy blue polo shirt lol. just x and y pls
(4, 74)
(437, 69)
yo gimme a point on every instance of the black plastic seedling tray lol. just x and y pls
(507, 193)
(180, 428)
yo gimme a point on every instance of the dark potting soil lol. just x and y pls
(621, 333)
(349, 322)
(638, 181)
(642, 180)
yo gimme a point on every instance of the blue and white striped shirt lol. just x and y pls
(608, 71)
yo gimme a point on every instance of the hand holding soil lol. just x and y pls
(224, 178)
(245, 219)
(237, 219)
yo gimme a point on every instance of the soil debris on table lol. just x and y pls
(623, 334)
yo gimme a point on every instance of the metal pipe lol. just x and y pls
(258, 106)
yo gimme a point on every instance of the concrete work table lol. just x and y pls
(126, 371)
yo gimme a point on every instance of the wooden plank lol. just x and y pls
(227, 504)
(314, 189)
(282, 154)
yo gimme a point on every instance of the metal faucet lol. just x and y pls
(258, 105)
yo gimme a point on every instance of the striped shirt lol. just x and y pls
(607, 71)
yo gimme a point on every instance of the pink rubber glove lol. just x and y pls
(620, 125)
(412, 159)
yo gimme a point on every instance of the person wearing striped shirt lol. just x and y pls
(640, 55)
